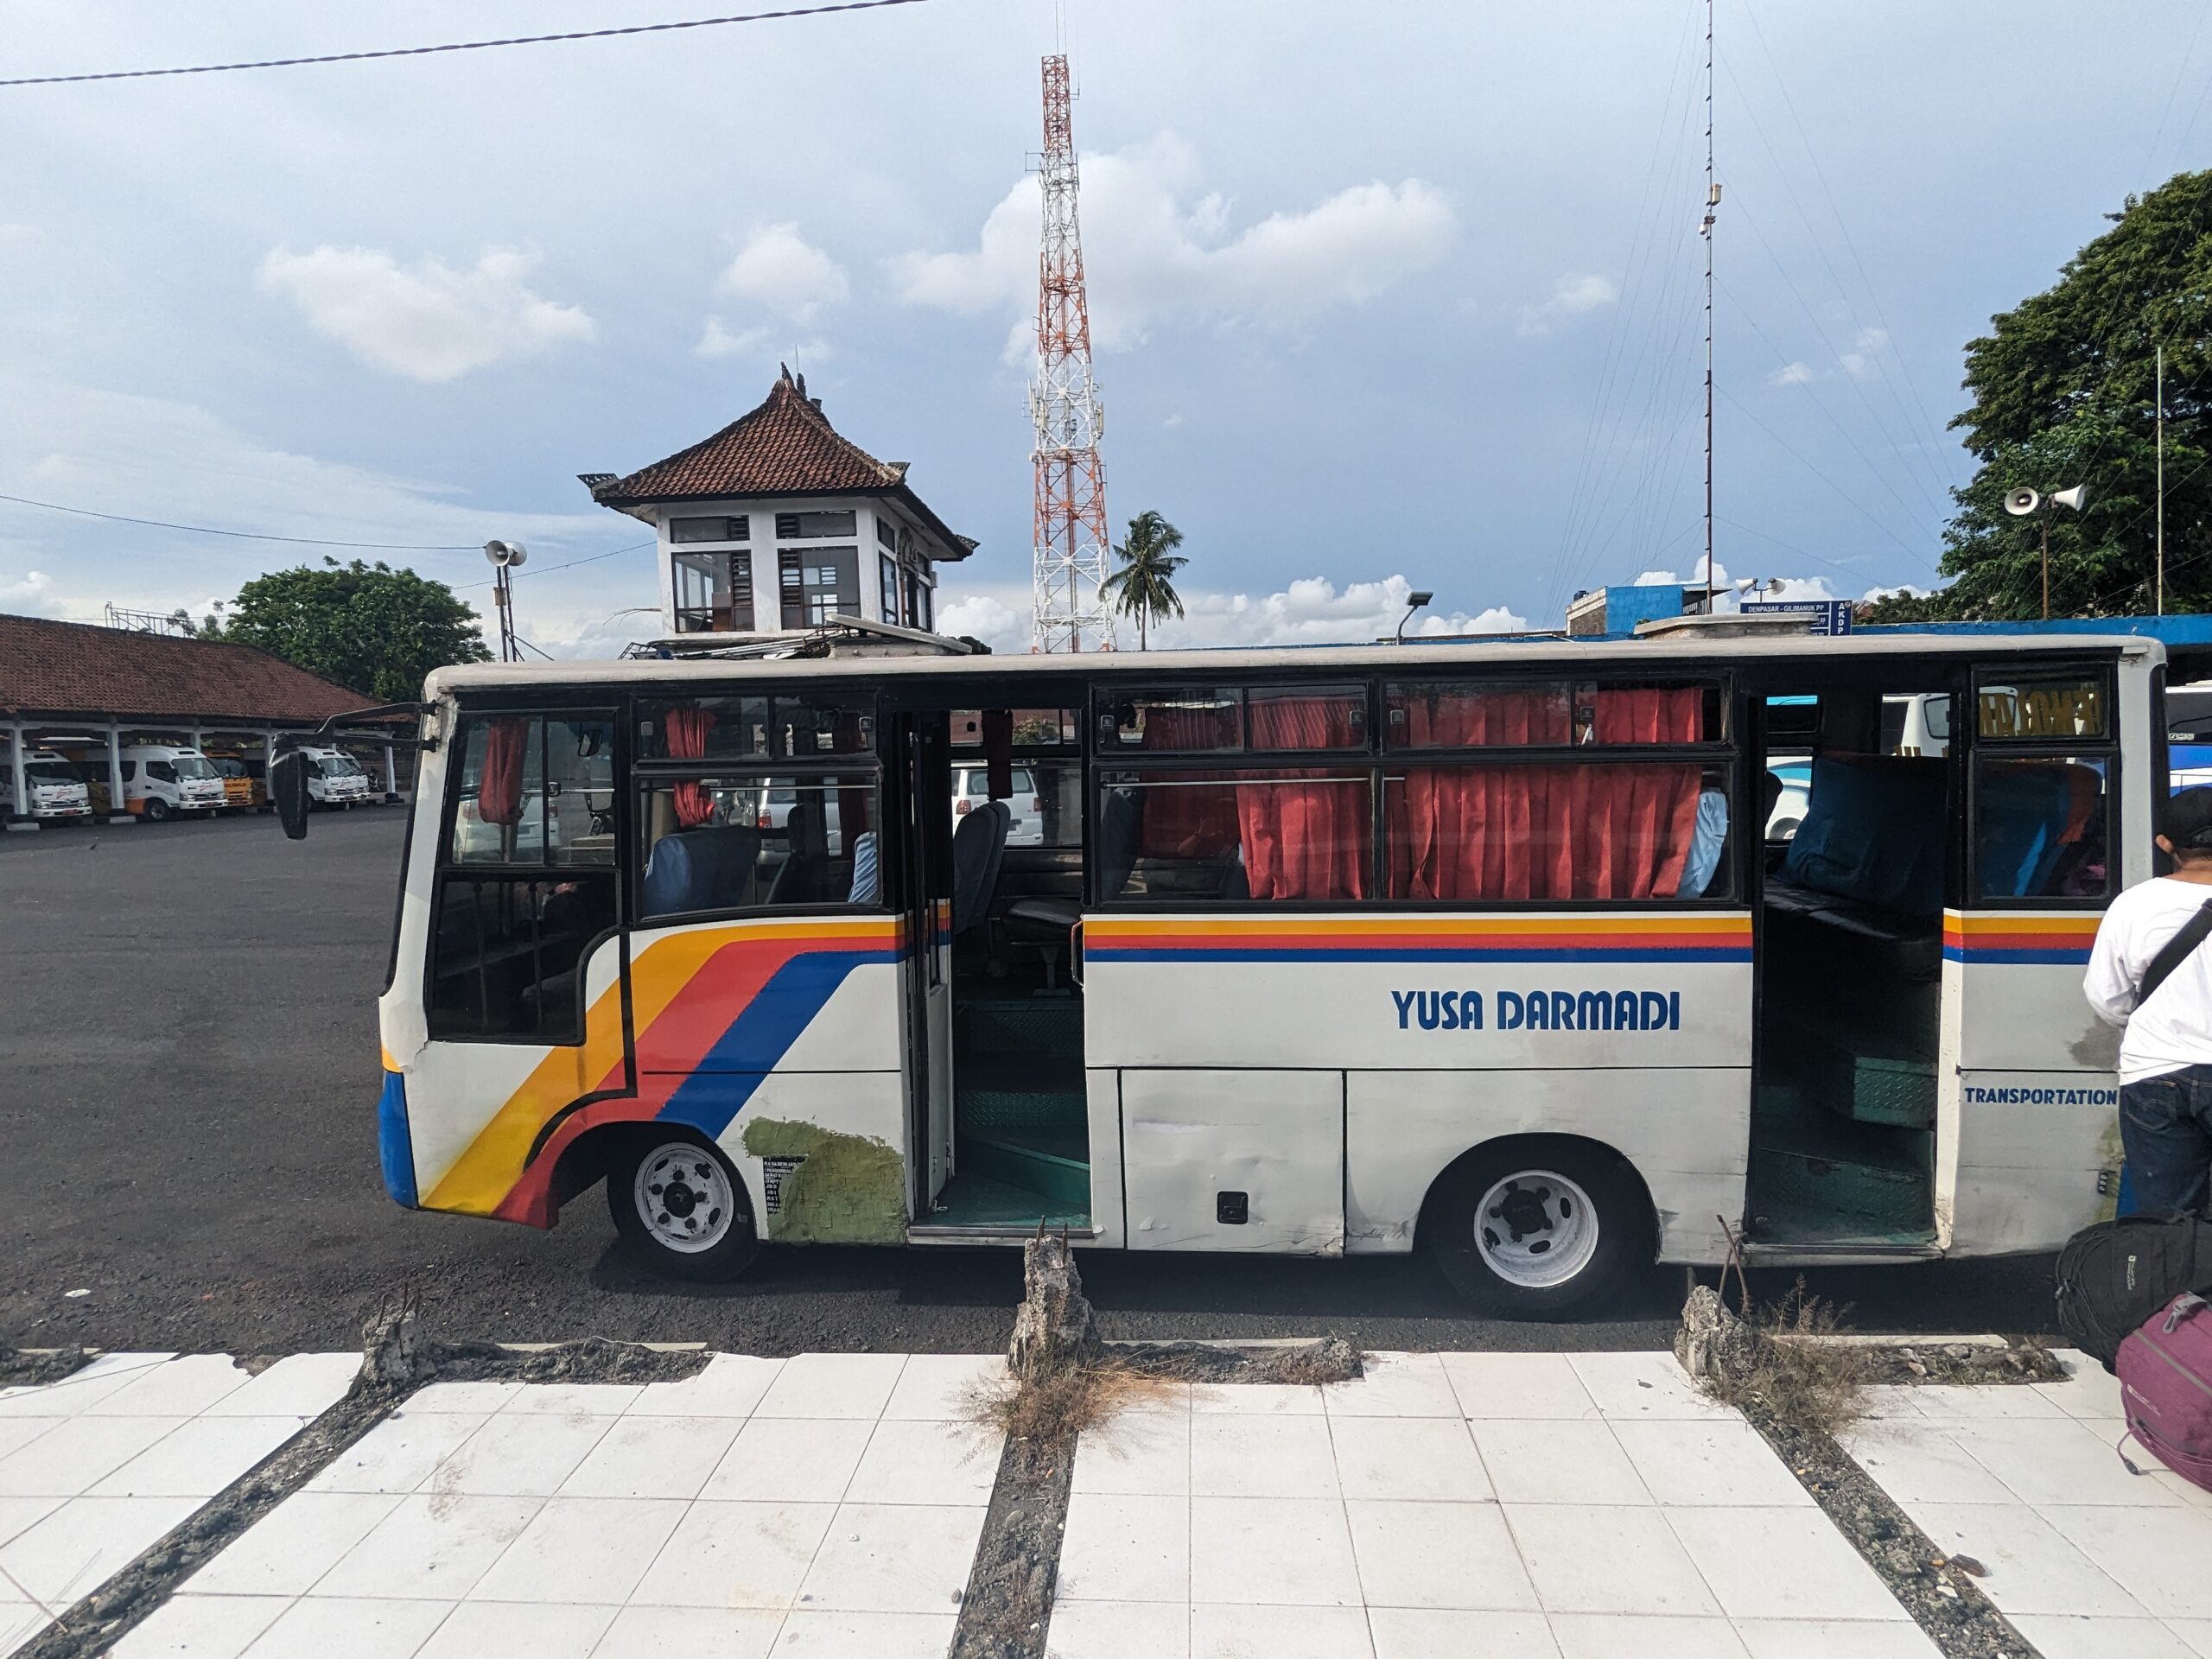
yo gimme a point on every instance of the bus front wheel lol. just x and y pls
(684, 1209)
(1540, 1228)
(157, 810)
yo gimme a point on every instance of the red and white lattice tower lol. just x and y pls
(1068, 611)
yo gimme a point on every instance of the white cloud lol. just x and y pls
(31, 594)
(430, 321)
(986, 617)
(782, 273)
(717, 341)
(1572, 295)
(1311, 611)
(1155, 248)
(1863, 361)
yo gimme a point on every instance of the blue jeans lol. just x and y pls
(2165, 1127)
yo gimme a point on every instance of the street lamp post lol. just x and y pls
(1414, 602)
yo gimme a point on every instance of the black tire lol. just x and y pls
(1543, 1173)
(157, 810)
(687, 1168)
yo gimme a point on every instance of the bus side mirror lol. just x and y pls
(287, 792)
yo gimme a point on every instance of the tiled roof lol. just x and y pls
(784, 448)
(79, 671)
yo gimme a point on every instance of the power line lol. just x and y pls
(589, 558)
(461, 46)
(242, 535)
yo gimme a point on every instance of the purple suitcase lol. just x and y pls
(2165, 1382)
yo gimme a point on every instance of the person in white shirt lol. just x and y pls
(2165, 1045)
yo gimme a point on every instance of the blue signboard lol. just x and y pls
(1827, 615)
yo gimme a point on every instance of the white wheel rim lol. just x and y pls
(1535, 1230)
(684, 1197)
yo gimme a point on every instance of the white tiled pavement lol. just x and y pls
(2086, 1559)
(1550, 1506)
(814, 1508)
(94, 1468)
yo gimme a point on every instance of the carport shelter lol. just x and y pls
(65, 680)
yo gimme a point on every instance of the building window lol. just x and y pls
(737, 529)
(799, 526)
(924, 600)
(714, 593)
(886, 532)
(817, 583)
(887, 569)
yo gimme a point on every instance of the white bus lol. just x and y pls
(335, 778)
(1463, 948)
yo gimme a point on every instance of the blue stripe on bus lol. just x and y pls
(395, 1144)
(730, 1073)
(1997, 954)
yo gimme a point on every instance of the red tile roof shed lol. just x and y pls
(77, 670)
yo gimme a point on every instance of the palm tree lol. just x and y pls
(1144, 587)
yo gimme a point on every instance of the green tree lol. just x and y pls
(1144, 587)
(369, 627)
(2064, 393)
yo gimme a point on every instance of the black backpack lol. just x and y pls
(2116, 1275)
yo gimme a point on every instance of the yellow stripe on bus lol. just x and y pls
(481, 1179)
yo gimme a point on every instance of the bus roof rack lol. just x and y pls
(836, 636)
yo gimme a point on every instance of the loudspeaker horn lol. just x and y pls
(2071, 498)
(2021, 503)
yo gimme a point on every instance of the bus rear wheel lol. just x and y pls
(1539, 1228)
(683, 1209)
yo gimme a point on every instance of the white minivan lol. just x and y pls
(159, 781)
(56, 793)
(335, 778)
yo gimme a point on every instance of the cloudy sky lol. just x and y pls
(1383, 297)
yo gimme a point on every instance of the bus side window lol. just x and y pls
(758, 840)
(526, 879)
(2041, 827)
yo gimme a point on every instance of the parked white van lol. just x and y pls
(54, 790)
(335, 778)
(159, 781)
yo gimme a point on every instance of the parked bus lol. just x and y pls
(54, 793)
(1478, 950)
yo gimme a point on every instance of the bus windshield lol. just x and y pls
(194, 765)
(49, 772)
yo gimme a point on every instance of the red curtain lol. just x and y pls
(498, 789)
(688, 726)
(1194, 814)
(1308, 837)
(1561, 831)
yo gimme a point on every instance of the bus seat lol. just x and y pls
(978, 848)
(798, 879)
(1119, 819)
(701, 870)
(2031, 818)
(1873, 833)
(868, 874)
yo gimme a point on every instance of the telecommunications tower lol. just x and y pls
(1068, 610)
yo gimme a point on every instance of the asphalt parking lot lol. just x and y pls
(188, 1080)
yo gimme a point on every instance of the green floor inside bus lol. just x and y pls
(1022, 1135)
(1843, 1117)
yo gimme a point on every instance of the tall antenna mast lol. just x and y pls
(1705, 230)
(1068, 610)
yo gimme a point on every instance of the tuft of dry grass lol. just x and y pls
(1804, 1383)
(1052, 1410)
